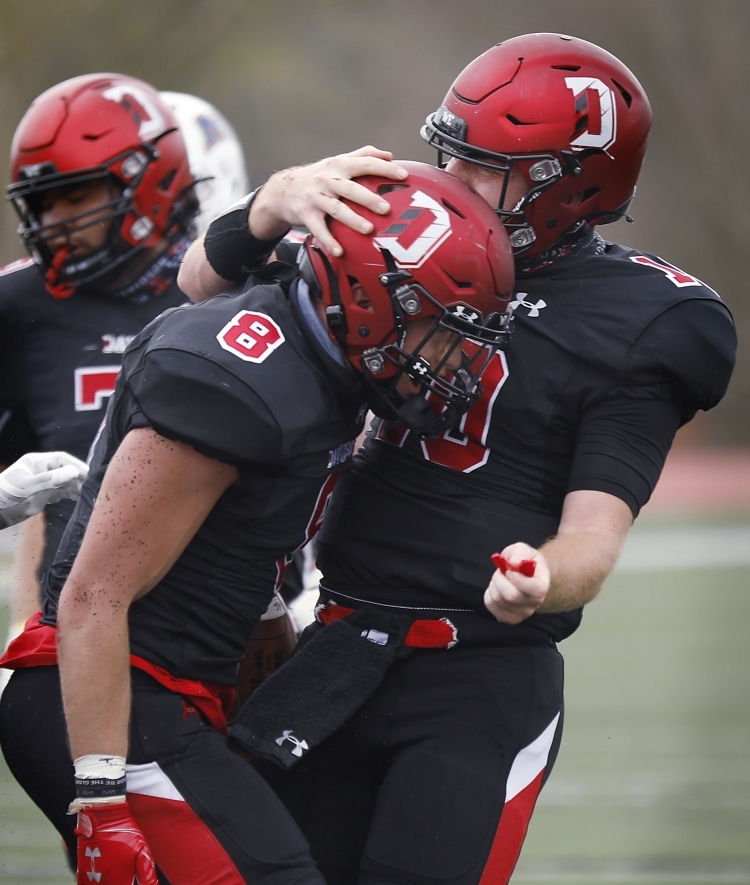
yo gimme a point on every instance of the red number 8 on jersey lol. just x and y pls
(251, 336)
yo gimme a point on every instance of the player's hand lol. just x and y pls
(517, 589)
(306, 195)
(111, 848)
(38, 479)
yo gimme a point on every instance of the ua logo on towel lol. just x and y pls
(299, 746)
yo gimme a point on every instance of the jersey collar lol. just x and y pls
(575, 247)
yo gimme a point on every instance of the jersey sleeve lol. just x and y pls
(623, 441)
(680, 363)
(189, 398)
(693, 345)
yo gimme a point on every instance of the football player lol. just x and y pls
(435, 777)
(101, 182)
(228, 427)
(61, 356)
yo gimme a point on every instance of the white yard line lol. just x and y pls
(675, 547)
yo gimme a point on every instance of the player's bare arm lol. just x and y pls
(303, 196)
(570, 568)
(154, 497)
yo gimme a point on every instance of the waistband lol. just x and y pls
(423, 633)
(437, 628)
(37, 647)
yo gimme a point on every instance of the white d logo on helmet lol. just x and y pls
(417, 232)
(146, 112)
(600, 124)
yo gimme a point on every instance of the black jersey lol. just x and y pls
(236, 379)
(59, 360)
(612, 350)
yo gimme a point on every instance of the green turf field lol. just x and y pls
(653, 780)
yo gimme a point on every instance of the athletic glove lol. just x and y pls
(111, 848)
(35, 480)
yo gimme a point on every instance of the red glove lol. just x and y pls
(525, 566)
(111, 848)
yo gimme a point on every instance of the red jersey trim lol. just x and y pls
(37, 647)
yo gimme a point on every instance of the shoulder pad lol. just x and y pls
(227, 376)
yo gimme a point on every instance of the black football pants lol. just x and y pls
(206, 814)
(435, 778)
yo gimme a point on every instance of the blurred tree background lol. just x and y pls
(302, 80)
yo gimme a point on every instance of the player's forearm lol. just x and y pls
(579, 564)
(94, 672)
(197, 279)
(592, 530)
(568, 571)
(234, 245)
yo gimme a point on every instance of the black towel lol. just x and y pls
(321, 686)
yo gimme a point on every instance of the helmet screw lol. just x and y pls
(374, 363)
(363, 331)
(141, 228)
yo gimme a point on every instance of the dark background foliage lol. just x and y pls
(302, 80)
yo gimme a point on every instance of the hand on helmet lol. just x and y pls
(38, 479)
(517, 589)
(307, 195)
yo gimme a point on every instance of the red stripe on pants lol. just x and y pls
(182, 844)
(506, 846)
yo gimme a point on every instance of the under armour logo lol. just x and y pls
(466, 313)
(533, 309)
(420, 366)
(299, 746)
(93, 853)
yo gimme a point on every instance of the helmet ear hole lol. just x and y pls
(359, 296)
(578, 199)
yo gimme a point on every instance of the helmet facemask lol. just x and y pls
(419, 305)
(445, 394)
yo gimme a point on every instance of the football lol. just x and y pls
(269, 646)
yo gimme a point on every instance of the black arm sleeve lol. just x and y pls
(232, 251)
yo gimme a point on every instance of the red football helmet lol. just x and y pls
(567, 114)
(441, 253)
(105, 127)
